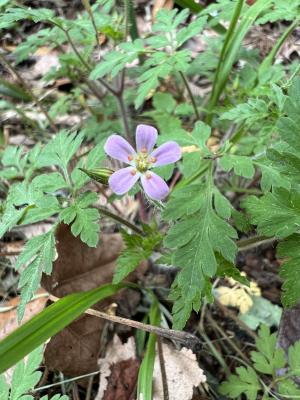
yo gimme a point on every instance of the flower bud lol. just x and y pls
(100, 175)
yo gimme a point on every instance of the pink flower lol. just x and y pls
(141, 161)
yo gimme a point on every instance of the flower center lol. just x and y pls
(143, 161)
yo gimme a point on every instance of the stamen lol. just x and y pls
(144, 150)
(153, 159)
(133, 172)
(148, 175)
(130, 157)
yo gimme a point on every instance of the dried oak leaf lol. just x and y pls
(74, 351)
(182, 371)
(118, 371)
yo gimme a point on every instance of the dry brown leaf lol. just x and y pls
(8, 317)
(182, 371)
(8, 314)
(74, 351)
(116, 353)
(159, 4)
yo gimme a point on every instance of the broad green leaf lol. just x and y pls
(49, 322)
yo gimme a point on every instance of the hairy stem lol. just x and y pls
(216, 92)
(121, 220)
(186, 84)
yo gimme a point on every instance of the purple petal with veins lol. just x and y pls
(167, 153)
(123, 180)
(117, 147)
(154, 186)
(145, 137)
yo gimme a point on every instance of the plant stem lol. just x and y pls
(216, 91)
(88, 9)
(121, 220)
(123, 113)
(162, 369)
(250, 243)
(186, 83)
(13, 71)
(271, 56)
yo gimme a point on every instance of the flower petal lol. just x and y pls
(145, 137)
(122, 181)
(117, 147)
(167, 153)
(154, 186)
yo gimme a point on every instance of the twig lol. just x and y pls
(217, 327)
(13, 71)
(162, 369)
(187, 339)
(232, 315)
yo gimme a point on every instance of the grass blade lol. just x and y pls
(145, 378)
(49, 322)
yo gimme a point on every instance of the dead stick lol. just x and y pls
(187, 339)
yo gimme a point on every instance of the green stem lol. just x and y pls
(246, 244)
(121, 220)
(271, 57)
(216, 92)
(186, 83)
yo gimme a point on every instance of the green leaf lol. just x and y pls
(246, 381)
(283, 9)
(137, 249)
(194, 239)
(60, 150)
(229, 270)
(37, 255)
(49, 322)
(289, 389)
(289, 252)
(268, 358)
(242, 165)
(262, 311)
(275, 214)
(25, 376)
(93, 160)
(250, 112)
(84, 220)
(271, 177)
(50, 182)
(294, 359)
